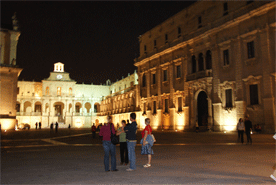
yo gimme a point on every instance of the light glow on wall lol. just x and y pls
(78, 123)
(7, 124)
(180, 121)
(230, 124)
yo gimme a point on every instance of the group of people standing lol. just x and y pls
(244, 126)
(39, 124)
(127, 138)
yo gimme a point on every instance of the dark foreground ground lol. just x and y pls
(74, 157)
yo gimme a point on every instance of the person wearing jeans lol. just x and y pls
(131, 130)
(108, 146)
(123, 144)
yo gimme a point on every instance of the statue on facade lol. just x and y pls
(14, 22)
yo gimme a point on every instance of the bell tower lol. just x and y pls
(59, 67)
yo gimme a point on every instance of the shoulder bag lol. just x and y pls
(114, 138)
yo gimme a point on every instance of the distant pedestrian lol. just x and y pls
(240, 128)
(123, 144)
(105, 131)
(131, 130)
(56, 126)
(248, 129)
(69, 126)
(39, 125)
(93, 130)
(36, 125)
(197, 127)
(147, 142)
(273, 176)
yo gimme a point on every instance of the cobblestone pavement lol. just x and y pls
(74, 157)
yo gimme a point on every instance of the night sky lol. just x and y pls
(96, 41)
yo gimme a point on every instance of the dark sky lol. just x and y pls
(96, 41)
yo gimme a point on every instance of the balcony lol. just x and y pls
(29, 114)
(200, 74)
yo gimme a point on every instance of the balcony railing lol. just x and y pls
(200, 74)
(29, 113)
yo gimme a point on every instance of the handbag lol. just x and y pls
(153, 137)
(114, 138)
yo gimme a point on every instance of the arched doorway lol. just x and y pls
(202, 109)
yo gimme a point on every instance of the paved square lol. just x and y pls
(180, 158)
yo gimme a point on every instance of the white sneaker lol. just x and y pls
(147, 165)
(274, 178)
(129, 170)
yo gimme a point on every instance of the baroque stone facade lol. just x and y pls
(9, 73)
(59, 99)
(121, 101)
(212, 63)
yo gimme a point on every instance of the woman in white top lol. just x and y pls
(240, 128)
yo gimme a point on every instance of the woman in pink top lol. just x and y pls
(146, 147)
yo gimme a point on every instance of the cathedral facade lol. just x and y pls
(59, 99)
(210, 64)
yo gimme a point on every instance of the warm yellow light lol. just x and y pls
(229, 128)
(180, 121)
(78, 123)
(7, 124)
(230, 123)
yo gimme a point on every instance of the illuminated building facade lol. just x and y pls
(9, 73)
(212, 63)
(59, 99)
(122, 100)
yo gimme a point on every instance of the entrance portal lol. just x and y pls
(202, 109)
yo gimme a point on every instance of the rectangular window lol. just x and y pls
(254, 98)
(17, 107)
(179, 31)
(166, 38)
(165, 78)
(144, 80)
(154, 43)
(166, 105)
(154, 107)
(153, 79)
(145, 48)
(226, 57)
(228, 94)
(77, 109)
(179, 104)
(249, 1)
(199, 22)
(144, 108)
(178, 71)
(37, 108)
(59, 91)
(250, 49)
(225, 8)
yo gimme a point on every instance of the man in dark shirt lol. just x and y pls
(248, 129)
(131, 130)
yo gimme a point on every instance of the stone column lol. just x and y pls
(268, 97)
(158, 78)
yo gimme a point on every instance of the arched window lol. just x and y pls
(208, 60)
(193, 64)
(200, 62)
